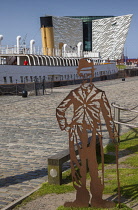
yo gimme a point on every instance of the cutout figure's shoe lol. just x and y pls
(82, 199)
(102, 203)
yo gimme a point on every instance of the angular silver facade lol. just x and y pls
(67, 30)
(109, 36)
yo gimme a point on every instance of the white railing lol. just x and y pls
(23, 49)
(14, 50)
(72, 54)
(91, 54)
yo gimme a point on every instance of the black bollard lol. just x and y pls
(24, 93)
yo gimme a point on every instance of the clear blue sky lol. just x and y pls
(21, 17)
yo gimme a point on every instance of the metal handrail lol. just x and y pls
(124, 109)
(129, 120)
(117, 120)
(122, 123)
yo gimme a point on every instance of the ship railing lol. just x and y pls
(91, 54)
(86, 54)
(7, 49)
(24, 49)
(71, 54)
(14, 50)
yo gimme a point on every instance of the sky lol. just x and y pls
(22, 18)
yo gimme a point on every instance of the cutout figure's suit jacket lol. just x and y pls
(88, 102)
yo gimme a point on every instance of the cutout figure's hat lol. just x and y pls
(84, 65)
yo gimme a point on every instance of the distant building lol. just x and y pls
(101, 34)
(87, 29)
(132, 61)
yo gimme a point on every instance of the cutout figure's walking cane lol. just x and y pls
(118, 179)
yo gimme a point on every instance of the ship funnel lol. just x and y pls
(32, 42)
(47, 35)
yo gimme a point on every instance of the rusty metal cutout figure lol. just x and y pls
(88, 103)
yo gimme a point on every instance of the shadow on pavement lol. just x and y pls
(4, 182)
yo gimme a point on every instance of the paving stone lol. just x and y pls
(9, 199)
(3, 203)
(2, 194)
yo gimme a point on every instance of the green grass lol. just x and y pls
(128, 182)
(129, 172)
(128, 141)
(107, 160)
(132, 161)
(109, 148)
(121, 66)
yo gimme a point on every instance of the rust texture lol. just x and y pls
(86, 104)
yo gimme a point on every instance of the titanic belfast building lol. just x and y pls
(103, 34)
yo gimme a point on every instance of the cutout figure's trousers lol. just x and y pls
(87, 155)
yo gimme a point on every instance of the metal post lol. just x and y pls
(74, 79)
(24, 84)
(117, 119)
(117, 126)
(16, 87)
(52, 83)
(43, 86)
(36, 87)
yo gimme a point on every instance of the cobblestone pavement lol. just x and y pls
(29, 134)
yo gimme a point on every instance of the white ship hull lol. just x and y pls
(10, 74)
